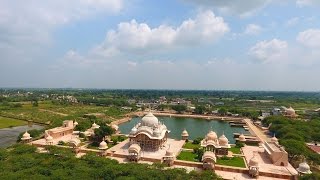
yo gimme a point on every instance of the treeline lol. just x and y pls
(21, 162)
(294, 133)
(104, 102)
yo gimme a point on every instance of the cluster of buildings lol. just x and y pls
(149, 141)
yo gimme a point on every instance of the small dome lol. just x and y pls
(134, 147)
(133, 130)
(48, 138)
(103, 145)
(184, 133)
(75, 123)
(26, 136)
(290, 111)
(211, 136)
(95, 126)
(254, 161)
(115, 127)
(242, 137)
(209, 155)
(274, 139)
(169, 153)
(304, 168)
(149, 120)
(223, 140)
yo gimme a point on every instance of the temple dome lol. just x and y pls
(135, 148)
(169, 153)
(242, 137)
(223, 140)
(184, 133)
(209, 155)
(115, 127)
(26, 136)
(75, 123)
(304, 168)
(211, 136)
(290, 111)
(149, 120)
(103, 145)
(274, 139)
(254, 161)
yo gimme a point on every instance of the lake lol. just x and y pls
(195, 127)
(8, 136)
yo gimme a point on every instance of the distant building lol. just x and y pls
(276, 111)
(65, 129)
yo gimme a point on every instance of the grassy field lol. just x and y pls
(47, 112)
(187, 156)
(235, 150)
(189, 145)
(9, 122)
(234, 161)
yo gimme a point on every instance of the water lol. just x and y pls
(195, 127)
(8, 136)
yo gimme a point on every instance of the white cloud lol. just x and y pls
(302, 3)
(292, 22)
(239, 7)
(27, 26)
(140, 37)
(253, 29)
(269, 51)
(310, 38)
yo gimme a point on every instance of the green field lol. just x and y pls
(234, 161)
(235, 150)
(187, 156)
(47, 112)
(189, 145)
(9, 122)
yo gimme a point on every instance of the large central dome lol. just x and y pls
(149, 120)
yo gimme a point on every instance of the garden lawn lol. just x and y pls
(234, 161)
(187, 156)
(235, 150)
(9, 122)
(189, 145)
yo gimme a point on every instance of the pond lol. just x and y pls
(195, 127)
(8, 136)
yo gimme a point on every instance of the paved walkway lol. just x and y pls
(256, 131)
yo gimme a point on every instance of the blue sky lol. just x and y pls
(169, 44)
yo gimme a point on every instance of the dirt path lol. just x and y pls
(256, 131)
(53, 112)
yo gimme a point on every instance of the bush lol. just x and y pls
(197, 140)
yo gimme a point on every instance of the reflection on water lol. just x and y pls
(8, 136)
(195, 127)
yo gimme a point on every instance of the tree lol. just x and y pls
(200, 109)
(103, 131)
(222, 111)
(179, 108)
(294, 148)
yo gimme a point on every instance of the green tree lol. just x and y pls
(222, 111)
(200, 109)
(294, 148)
(179, 108)
(103, 131)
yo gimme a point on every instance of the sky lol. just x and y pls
(167, 44)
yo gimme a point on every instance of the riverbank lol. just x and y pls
(10, 122)
(159, 113)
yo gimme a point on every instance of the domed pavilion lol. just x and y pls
(149, 133)
(214, 144)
